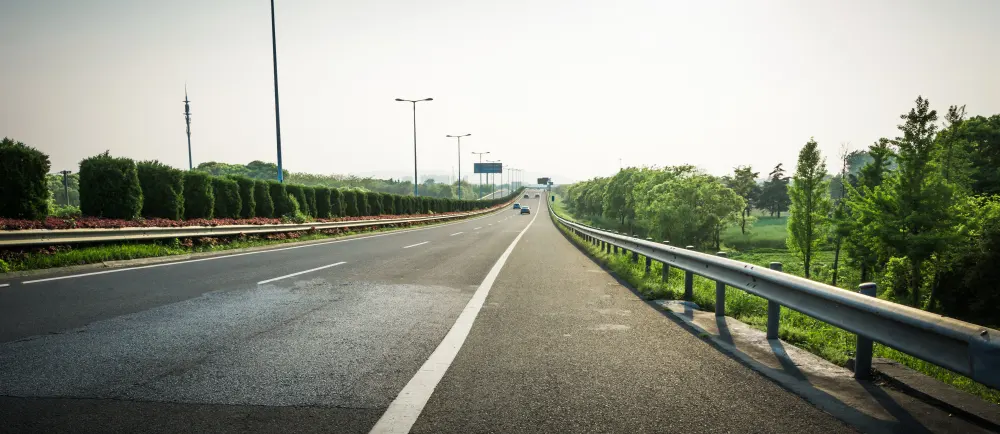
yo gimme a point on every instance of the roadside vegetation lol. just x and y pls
(918, 214)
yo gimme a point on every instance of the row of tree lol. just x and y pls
(922, 210)
(114, 187)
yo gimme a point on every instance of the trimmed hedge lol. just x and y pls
(374, 203)
(298, 192)
(311, 200)
(24, 192)
(227, 197)
(162, 190)
(199, 197)
(351, 203)
(364, 208)
(389, 203)
(109, 187)
(263, 205)
(247, 187)
(323, 209)
(425, 205)
(337, 204)
(279, 196)
(398, 204)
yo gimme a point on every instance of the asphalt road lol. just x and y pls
(242, 343)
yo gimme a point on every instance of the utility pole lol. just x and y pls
(65, 174)
(277, 112)
(187, 120)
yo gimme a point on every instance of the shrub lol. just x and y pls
(338, 208)
(374, 203)
(247, 191)
(299, 193)
(24, 190)
(311, 200)
(227, 197)
(323, 209)
(279, 196)
(351, 203)
(109, 187)
(398, 204)
(199, 200)
(162, 190)
(425, 205)
(295, 215)
(388, 204)
(263, 205)
(364, 208)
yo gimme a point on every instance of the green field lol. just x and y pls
(767, 232)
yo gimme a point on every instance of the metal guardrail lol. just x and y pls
(962, 347)
(46, 237)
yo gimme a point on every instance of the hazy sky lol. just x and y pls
(563, 88)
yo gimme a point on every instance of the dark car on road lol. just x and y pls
(537, 196)
(517, 206)
(525, 210)
(525, 196)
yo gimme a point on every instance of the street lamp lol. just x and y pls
(459, 162)
(277, 112)
(493, 184)
(480, 154)
(414, 102)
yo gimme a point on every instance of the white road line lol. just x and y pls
(300, 272)
(405, 409)
(456, 233)
(4, 285)
(491, 224)
(415, 245)
(166, 264)
(476, 229)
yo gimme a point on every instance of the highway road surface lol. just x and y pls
(494, 324)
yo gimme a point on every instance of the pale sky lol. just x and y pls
(561, 88)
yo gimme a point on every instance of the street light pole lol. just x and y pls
(277, 111)
(459, 161)
(65, 174)
(414, 102)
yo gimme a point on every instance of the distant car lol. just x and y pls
(517, 206)
(537, 196)
(526, 196)
(525, 210)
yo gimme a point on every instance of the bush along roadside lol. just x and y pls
(23, 188)
(831, 343)
(21, 259)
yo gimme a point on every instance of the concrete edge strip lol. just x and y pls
(406, 408)
(280, 249)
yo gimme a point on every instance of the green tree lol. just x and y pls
(618, 197)
(744, 183)
(162, 190)
(860, 243)
(24, 190)
(810, 204)
(263, 204)
(774, 194)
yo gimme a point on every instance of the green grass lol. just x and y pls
(766, 232)
(829, 342)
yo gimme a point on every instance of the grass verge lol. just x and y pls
(831, 343)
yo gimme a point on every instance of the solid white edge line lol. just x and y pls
(300, 272)
(415, 245)
(476, 229)
(3, 285)
(456, 233)
(406, 408)
(166, 264)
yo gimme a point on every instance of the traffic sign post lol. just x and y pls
(487, 167)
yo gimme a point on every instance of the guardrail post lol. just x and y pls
(720, 293)
(649, 263)
(773, 310)
(635, 256)
(688, 282)
(666, 268)
(615, 248)
(863, 352)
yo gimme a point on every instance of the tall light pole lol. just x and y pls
(414, 102)
(493, 183)
(277, 112)
(459, 162)
(480, 154)
(187, 120)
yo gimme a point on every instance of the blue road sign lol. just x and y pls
(487, 167)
